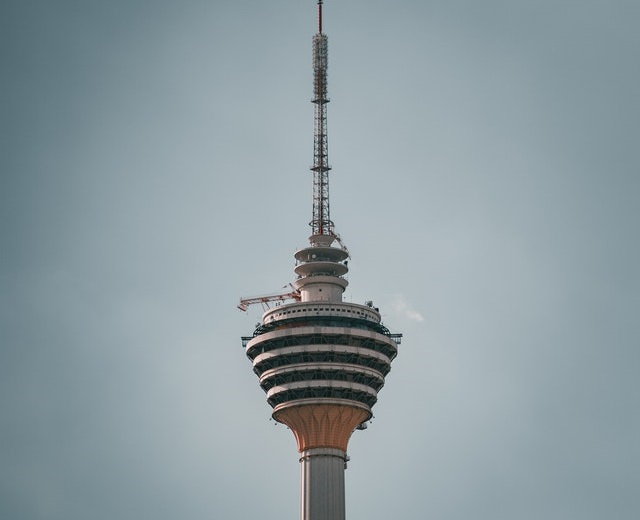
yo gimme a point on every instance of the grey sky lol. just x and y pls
(154, 168)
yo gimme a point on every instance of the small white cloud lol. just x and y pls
(401, 306)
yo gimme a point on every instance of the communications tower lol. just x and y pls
(321, 361)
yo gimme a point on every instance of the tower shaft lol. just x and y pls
(322, 495)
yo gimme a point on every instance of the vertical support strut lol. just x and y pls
(321, 222)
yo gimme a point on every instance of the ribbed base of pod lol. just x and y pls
(322, 425)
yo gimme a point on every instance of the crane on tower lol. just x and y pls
(266, 299)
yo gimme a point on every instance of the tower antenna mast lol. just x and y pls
(321, 223)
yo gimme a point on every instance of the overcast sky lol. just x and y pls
(486, 179)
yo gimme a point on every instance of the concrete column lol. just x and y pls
(322, 484)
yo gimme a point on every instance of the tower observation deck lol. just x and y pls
(321, 361)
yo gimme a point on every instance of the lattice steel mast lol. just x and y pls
(321, 222)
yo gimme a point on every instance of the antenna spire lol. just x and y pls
(321, 222)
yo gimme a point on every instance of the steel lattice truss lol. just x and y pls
(321, 222)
